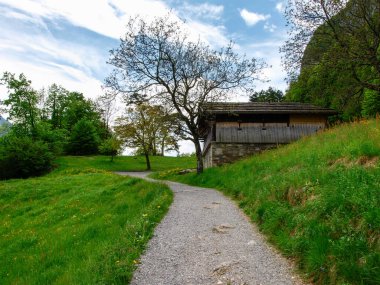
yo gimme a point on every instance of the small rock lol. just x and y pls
(226, 226)
(219, 230)
(185, 171)
(222, 269)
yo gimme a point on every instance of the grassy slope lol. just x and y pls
(124, 163)
(318, 200)
(78, 225)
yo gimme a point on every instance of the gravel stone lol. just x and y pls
(206, 239)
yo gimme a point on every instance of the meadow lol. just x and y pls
(80, 224)
(317, 200)
(123, 163)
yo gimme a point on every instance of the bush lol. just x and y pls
(56, 139)
(371, 103)
(21, 157)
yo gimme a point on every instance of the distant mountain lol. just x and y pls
(3, 126)
(2, 120)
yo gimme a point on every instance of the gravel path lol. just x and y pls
(206, 239)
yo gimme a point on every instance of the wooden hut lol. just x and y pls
(235, 130)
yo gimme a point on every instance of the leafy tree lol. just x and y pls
(107, 106)
(21, 103)
(142, 127)
(55, 105)
(22, 157)
(157, 61)
(351, 27)
(110, 146)
(76, 108)
(84, 139)
(269, 95)
(327, 83)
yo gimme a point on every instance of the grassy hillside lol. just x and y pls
(124, 163)
(77, 225)
(317, 200)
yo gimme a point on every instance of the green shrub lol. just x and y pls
(371, 103)
(56, 139)
(21, 157)
(110, 146)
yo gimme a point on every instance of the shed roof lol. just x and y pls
(264, 108)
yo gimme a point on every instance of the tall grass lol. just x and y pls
(317, 200)
(76, 227)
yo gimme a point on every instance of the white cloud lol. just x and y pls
(212, 35)
(204, 10)
(270, 27)
(269, 52)
(252, 18)
(42, 48)
(280, 7)
(106, 17)
(109, 17)
(47, 73)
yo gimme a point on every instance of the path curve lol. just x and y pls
(206, 239)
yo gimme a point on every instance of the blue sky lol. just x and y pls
(68, 42)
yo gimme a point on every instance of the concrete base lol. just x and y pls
(221, 153)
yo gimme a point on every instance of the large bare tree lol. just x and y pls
(353, 26)
(158, 61)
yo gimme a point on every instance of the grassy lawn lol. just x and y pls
(76, 226)
(123, 163)
(317, 200)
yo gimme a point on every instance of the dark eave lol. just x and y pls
(264, 108)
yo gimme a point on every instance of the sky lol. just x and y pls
(68, 41)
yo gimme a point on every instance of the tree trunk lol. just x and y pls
(198, 152)
(163, 145)
(147, 161)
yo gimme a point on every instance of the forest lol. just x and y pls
(333, 56)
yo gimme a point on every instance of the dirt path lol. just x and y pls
(206, 239)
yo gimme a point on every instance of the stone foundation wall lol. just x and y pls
(221, 153)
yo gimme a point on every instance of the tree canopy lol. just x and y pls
(21, 104)
(44, 124)
(269, 95)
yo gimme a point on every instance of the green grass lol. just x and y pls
(77, 226)
(124, 163)
(317, 200)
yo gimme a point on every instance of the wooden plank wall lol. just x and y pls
(278, 133)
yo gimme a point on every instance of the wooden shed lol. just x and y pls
(235, 130)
